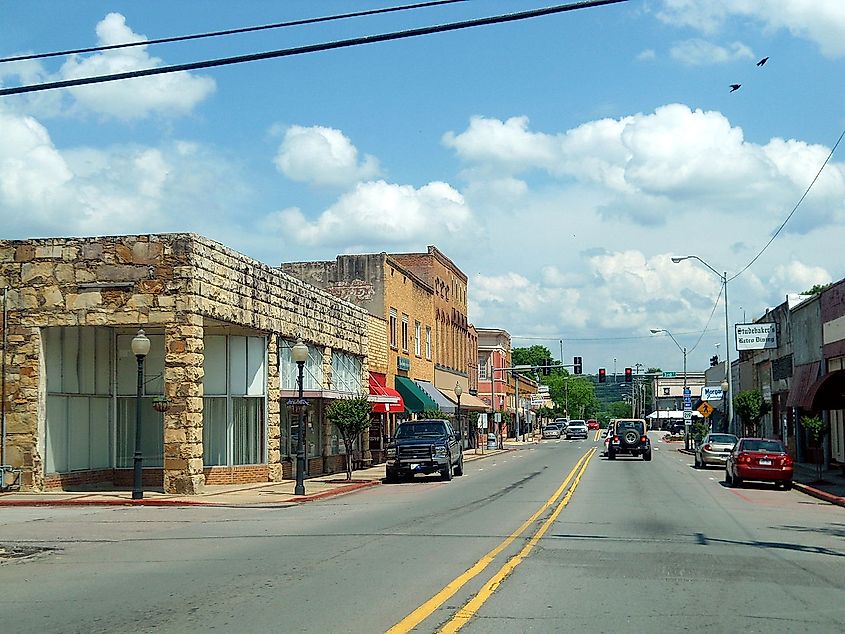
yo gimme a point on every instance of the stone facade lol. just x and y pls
(181, 286)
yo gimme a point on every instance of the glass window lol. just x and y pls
(152, 433)
(392, 326)
(405, 333)
(428, 343)
(346, 372)
(417, 338)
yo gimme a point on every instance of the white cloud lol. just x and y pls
(380, 213)
(797, 277)
(698, 52)
(168, 94)
(646, 55)
(323, 157)
(656, 165)
(820, 21)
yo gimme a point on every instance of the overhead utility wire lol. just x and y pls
(246, 29)
(632, 338)
(709, 319)
(312, 48)
(791, 213)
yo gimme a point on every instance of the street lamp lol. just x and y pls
(725, 388)
(299, 353)
(140, 348)
(683, 349)
(724, 278)
(458, 391)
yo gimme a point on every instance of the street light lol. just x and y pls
(458, 391)
(140, 348)
(725, 387)
(683, 349)
(724, 278)
(299, 353)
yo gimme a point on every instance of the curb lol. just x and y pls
(818, 493)
(185, 502)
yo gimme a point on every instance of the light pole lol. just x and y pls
(724, 387)
(683, 349)
(140, 348)
(724, 278)
(299, 353)
(458, 391)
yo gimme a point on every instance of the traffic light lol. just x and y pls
(577, 369)
(629, 375)
(602, 375)
(714, 360)
(547, 370)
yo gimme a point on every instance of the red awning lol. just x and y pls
(383, 399)
(803, 378)
(828, 392)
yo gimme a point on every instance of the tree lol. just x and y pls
(750, 407)
(350, 416)
(817, 289)
(535, 355)
(619, 409)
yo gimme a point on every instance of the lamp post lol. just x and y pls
(724, 278)
(458, 391)
(683, 349)
(725, 387)
(140, 348)
(299, 353)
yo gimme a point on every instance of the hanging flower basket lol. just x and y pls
(161, 404)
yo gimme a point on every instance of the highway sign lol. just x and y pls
(687, 417)
(687, 392)
(706, 409)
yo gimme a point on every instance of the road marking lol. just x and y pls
(463, 615)
(427, 609)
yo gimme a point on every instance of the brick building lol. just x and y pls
(221, 327)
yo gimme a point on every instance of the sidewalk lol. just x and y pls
(276, 494)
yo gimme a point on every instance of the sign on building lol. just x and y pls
(756, 336)
(711, 393)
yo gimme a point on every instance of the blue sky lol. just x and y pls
(560, 161)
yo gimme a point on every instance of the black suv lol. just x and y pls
(629, 437)
(425, 446)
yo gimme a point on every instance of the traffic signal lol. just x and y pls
(629, 375)
(547, 370)
(602, 375)
(577, 369)
(714, 360)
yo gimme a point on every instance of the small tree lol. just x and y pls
(750, 407)
(816, 431)
(350, 416)
(700, 429)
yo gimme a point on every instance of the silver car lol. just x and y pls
(714, 449)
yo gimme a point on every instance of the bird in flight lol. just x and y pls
(735, 87)
(762, 61)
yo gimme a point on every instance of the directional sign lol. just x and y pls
(706, 409)
(669, 375)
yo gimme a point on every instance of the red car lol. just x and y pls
(593, 424)
(759, 459)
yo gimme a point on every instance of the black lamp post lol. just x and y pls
(458, 391)
(299, 353)
(140, 348)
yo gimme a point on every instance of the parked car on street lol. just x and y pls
(576, 429)
(714, 449)
(761, 459)
(424, 446)
(552, 430)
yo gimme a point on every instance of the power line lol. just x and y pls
(246, 29)
(600, 339)
(709, 319)
(794, 209)
(312, 48)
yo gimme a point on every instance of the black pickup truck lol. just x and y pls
(424, 446)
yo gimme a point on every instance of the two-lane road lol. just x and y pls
(550, 537)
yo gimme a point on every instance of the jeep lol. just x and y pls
(424, 446)
(629, 437)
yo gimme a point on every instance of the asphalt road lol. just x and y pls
(613, 546)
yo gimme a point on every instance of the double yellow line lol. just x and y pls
(463, 615)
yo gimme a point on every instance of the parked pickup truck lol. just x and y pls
(424, 446)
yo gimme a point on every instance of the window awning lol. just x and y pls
(443, 404)
(416, 400)
(383, 399)
(468, 401)
(826, 392)
(804, 376)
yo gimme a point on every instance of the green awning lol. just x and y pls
(416, 400)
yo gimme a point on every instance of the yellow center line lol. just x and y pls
(598, 433)
(463, 615)
(427, 609)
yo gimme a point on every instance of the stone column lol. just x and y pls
(274, 413)
(183, 385)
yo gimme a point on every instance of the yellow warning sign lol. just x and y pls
(706, 409)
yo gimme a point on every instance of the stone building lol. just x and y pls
(221, 327)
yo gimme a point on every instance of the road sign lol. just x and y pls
(711, 393)
(482, 421)
(687, 417)
(669, 375)
(706, 409)
(687, 392)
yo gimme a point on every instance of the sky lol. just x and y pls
(559, 161)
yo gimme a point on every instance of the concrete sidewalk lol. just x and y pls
(278, 494)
